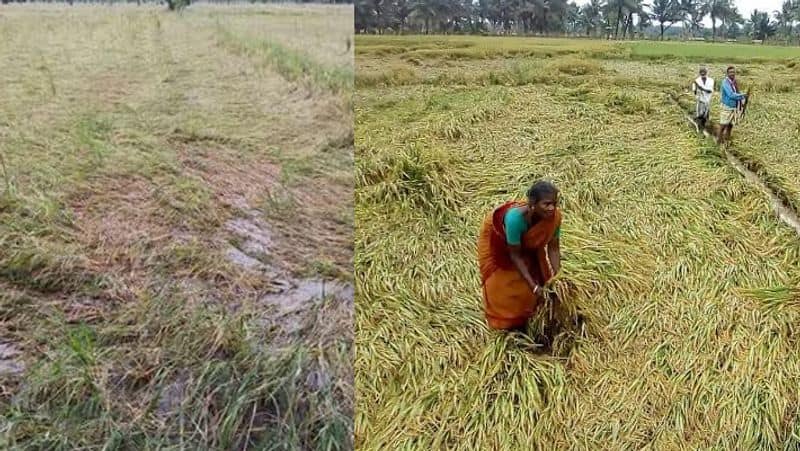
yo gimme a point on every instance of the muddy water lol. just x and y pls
(10, 365)
(239, 258)
(258, 239)
(255, 242)
(304, 291)
(290, 306)
(173, 395)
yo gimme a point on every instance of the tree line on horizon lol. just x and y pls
(617, 19)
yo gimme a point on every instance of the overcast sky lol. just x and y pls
(745, 7)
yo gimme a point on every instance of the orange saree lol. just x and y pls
(507, 299)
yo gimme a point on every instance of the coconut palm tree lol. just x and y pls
(730, 17)
(694, 11)
(786, 16)
(666, 13)
(644, 23)
(623, 12)
(733, 22)
(717, 9)
(592, 13)
(763, 26)
(401, 12)
(574, 21)
(637, 8)
(426, 11)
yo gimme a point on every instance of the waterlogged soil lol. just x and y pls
(258, 236)
(10, 363)
(304, 289)
(290, 307)
(172, 396)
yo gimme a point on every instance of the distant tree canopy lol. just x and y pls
(618, 19)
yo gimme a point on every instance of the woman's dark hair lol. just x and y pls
(540, 189)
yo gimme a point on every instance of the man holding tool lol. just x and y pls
(731, 101)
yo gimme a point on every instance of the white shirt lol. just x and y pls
(704, 97)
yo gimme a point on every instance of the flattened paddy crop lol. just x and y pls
(158, 174)
(685, 282)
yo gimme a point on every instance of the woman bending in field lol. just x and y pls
(518, 252)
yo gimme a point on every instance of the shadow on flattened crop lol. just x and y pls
(554, 331)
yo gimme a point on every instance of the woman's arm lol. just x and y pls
(554, 254)
(519, 262)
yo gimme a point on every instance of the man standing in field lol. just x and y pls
(703, 87)
(731, 97)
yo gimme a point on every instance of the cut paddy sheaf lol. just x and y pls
(166, 279)
(678, 286)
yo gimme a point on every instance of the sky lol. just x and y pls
(747, 6)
